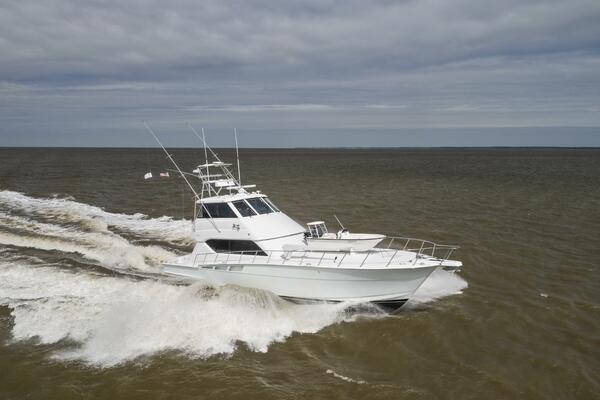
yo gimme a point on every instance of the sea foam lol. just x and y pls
(439, 284)
(112, 320)
(68, 210)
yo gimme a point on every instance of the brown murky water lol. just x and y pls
(84, 312)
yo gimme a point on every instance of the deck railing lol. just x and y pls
(420, 246)
(385, 253)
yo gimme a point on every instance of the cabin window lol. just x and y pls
(243, 208)
(259, 205)
(235, 246)
(270, 203)
(217, 210)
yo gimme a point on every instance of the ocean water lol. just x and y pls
(86, 313)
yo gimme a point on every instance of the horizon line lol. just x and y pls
(295, 147)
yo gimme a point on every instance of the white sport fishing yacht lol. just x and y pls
(244, 239)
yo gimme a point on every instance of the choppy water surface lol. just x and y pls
(85, 312)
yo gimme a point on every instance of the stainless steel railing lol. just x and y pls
(385, 254)
(423, 248)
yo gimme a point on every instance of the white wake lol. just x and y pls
(73, 227)
(112, 320)
(95, 218)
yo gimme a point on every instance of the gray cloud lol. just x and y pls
(69, 66)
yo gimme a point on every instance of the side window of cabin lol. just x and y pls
(243, 208)
(259, 205)
(235, 246)
(217, 210)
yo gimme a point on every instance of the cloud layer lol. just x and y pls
(73, 68)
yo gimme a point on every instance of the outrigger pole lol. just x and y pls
(171, 159)
(226, 170)
(184, 178)
(206, 160)
(237, 155)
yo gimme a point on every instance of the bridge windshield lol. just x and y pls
(243, 208)
(217, 210)
(259, 205)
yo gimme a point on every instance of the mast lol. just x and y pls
(206, 159)
(223, 165)
(237, 155)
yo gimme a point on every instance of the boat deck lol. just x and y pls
(373, 259)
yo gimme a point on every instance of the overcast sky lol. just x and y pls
(300, 73)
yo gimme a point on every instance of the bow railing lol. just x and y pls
(423, 248)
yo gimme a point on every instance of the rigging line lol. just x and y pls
(227, 171)
(208, 188)
(237, 154)
(203, 141)
(206, 160)
(182, 175)
(171, 159)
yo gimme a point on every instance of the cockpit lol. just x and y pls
(316, 229)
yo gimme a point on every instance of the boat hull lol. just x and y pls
(389, 287)
(389, 306)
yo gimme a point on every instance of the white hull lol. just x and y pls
(314, 283)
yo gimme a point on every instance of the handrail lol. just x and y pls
(422, 249)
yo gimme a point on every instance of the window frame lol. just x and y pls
(264, 203)
(254, 213)
(225, 246)
(205, 208)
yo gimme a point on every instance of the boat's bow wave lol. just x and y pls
(439, 284)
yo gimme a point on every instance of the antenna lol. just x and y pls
(338, 220)
(205, 153)
(204, 141)
(237, 154)
(203, 138)
(171, 159)
(205, 162)
(224, 168)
